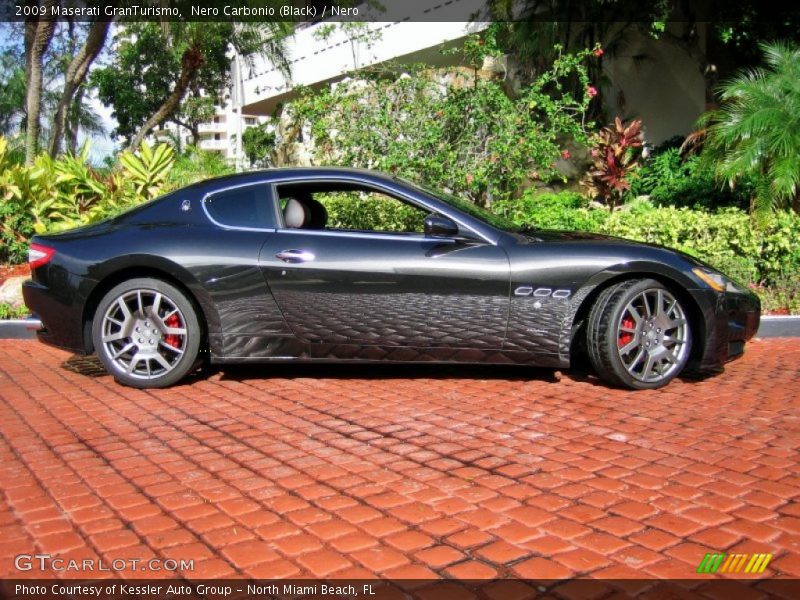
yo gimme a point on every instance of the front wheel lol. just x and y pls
(146, 333)
(638, 335)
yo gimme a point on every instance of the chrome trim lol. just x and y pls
(524, 290)
(542, 292)
(295, 256)
(273, 182)
(358, 234)
(561, 294)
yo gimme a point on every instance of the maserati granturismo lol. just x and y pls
(345, 265)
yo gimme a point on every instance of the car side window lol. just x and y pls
(370, 211)
(357, 209)
(246, 206)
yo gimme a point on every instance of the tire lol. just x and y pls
(146, 333)
(638, 335)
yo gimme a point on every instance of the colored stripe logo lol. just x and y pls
(734, 563)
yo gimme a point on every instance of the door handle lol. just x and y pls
(295, 256)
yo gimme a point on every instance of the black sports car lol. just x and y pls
(330, 264)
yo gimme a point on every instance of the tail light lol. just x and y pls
(39, 255)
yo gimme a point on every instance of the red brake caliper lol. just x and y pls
(171, 339)
(626, 337)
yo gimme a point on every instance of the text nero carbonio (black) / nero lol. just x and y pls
(270, 11)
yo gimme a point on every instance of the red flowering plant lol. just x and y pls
(616, 153)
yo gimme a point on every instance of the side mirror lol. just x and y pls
(440, 226)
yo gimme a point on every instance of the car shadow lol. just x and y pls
(379, 371)
(90, 366)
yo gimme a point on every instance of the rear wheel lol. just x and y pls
(639, 335)
(146, 333)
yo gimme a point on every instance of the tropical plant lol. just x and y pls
(75, 75)
(258, 142)
(671, 179)
(54, 194)
(148, 170)
(195, 164)
(615, 155)
(756, 130)
(12, 93)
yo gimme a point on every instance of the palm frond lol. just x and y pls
(756, 130)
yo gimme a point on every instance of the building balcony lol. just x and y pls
(211, 127)
(314, 61)
(214, 144)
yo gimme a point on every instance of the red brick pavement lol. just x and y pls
(410, 472)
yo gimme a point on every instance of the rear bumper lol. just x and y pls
(60, 313)
(731, 318)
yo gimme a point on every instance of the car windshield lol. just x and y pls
(465, 206)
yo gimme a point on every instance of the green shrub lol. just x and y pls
(16, 228)
(563, 210)
(13, 312)
(451, 130)
(782, 296)
(723, 239)
(670, 180)
(349, 210)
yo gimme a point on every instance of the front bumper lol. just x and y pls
(730, 318)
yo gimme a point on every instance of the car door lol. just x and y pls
(371, 288)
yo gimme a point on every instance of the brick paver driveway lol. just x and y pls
(401, 472)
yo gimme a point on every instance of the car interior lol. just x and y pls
(339, 206)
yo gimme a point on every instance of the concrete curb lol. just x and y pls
(779, 326)
(771, 326)
(19, 329)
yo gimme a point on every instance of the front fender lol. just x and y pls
(583, 299)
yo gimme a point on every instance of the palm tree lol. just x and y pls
(756, 131)
(196, 40)
(38, 34)
(74, 77)
(81, 117)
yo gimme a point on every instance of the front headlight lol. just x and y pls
(716, 281)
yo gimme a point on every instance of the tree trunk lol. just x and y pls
(74, 78)
(191, 61)
(38, 34)
(72, 125)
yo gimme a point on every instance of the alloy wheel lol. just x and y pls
(652, 336)
(144, 334)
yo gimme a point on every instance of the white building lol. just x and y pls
(219, 135)
(666, 90)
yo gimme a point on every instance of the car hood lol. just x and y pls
(557, 235)
(581, 237)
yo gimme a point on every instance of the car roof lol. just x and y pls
(299, 173)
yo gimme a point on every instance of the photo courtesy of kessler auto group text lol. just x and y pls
(399, 300)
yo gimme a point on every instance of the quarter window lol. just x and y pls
(247, 206)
